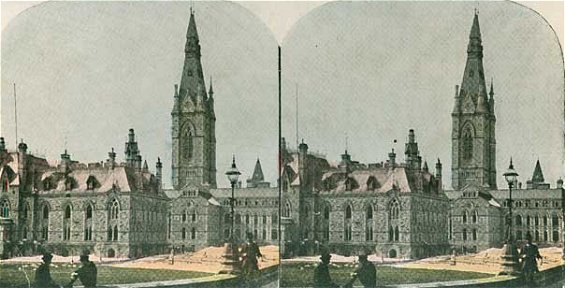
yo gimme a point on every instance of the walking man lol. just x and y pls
(530, 254)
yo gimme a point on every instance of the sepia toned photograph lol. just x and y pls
(282, 144)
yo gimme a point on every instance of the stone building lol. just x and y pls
(120, 209)
(391, 208)
(399, 209)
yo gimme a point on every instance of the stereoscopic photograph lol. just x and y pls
(282, 144)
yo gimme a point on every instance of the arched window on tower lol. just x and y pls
(188, 146)
(467, 144)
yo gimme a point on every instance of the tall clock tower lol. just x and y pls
(473, 122)
(193, 122)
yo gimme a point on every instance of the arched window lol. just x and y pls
(396, 234)
(193, 233)
(5, 208)
(114, 209)
(88, 223)
(464, 234)
(390, 234)
(183, 216)
(227, 218)
(67, 223)
(193, 216)
(474, 234)
(189, 144)
(474, 217)
(468, 144)
(347, 223)
(369, 223)
(287, 209)
(464, 216)
(44, 223)
(394, 210)
(327, 213)
(518, 220)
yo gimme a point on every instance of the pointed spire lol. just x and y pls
(191, 32)
(425, 168)
(258, 172)
(537, 177)
(475, 46)
(145, 167)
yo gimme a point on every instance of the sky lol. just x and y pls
(365, 71)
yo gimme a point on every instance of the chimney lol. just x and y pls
(159, 173)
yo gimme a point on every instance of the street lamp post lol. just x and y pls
(231, 259)
(510, 264)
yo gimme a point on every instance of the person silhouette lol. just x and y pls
(42, 273)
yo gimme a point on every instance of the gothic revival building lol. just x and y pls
(399, 209)
(120, 209)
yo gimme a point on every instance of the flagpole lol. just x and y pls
(16, 115)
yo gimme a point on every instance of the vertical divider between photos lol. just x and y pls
(280, 163)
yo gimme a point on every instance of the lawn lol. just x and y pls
(301, 275)
(10, 276)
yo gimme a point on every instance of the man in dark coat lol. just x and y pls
(43, 275)
(530, 254)
(366, 273)
(251, 253)
(86, 273)
(322, 273)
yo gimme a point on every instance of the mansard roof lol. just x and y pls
(400, 178)
(122, 178)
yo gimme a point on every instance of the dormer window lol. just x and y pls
(91, 183)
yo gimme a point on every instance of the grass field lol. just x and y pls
(301, 275)
(10, 276)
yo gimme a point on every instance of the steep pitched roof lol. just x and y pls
(537, 177)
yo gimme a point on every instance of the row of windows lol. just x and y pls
(533, 203)
(249, 202)
(535, 220)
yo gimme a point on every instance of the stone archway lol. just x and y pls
(111, 253)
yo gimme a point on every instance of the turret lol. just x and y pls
(65, 166)
(112, 159)
(392, 158)
(159, 172)
(457, 106)
(412, 154)
(131, 150)
(22, 159)
(303, 156)
(439, 175)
